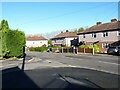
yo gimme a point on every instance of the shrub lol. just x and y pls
(82, 46)
(39, 49)
(13, 41)
(96, 48)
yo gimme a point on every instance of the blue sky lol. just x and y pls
(42, 17)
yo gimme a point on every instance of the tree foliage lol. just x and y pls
(50, 42)
(79, 30)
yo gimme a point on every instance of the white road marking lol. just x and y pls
(31, 60)
(93, 69)
(108, 63)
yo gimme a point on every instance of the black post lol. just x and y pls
(23, 64)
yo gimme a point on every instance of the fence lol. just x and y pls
(70, 50)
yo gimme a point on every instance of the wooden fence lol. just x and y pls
(70, 50)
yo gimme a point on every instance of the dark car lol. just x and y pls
(114, 50)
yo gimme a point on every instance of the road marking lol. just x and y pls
(31, 60)
(108, 63)
(93, 69)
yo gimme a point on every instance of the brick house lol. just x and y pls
(103, 34)
(36, 41)
(64, 39)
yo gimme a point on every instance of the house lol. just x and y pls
(102, 34)
(36, 41)
(64, 39)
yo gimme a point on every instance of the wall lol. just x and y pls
(58, 41)
(37, 43)
(112, 36)
(68, 40)
(63, 41)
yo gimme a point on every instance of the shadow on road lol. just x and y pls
(18, 78)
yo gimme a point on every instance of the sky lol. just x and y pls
(43, 17)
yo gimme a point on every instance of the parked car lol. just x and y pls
(114, 50)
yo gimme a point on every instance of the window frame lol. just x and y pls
(118, 33)
(105, 45)
(94, 35)
(105, 34)
(83, 36)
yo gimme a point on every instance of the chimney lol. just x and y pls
(38, 35)
(30, 35)
(67, 31)
(61, 31)
(98, 23)
(113, 20)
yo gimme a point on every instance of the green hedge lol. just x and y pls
(39, 49)
(13, 41)
(59, 47)
(95, 46)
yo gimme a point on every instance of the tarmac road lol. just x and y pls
(51, 70)
(59, 78)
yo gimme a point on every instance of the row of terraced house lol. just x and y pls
(103, 34)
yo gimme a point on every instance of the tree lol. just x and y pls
(4, 25)
(75, 31)
(50, 41)
(80, 29)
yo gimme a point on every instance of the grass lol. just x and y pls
(1, 58)
(13, 58)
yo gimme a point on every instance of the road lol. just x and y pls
(101, 63)
(55, 70)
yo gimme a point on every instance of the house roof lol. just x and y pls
(65, 34)
(102, 27)
(32, 38)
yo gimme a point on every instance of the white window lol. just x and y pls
(91, 44)
(105, 45)
(94, 35)
(105, 34)
(83, 36)
(118, 33)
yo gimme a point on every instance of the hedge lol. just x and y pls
(39, 49)
(15, 43)
(95, 46)
(12, 41)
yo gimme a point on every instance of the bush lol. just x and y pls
(95, 46)
(13, 41)
(59, 47)
(39, 49)
(82, 46)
